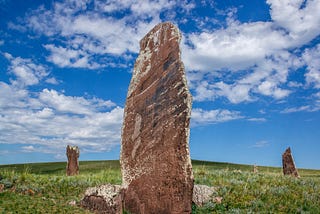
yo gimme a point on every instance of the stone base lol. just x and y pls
(108, 199)
(104, 199)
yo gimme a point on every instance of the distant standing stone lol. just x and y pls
(288, 165)
(73, 163)
(155, 160)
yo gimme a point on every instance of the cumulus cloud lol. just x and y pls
(26, 72)
(74, 58)
(52, 126)
(312, 59)
(74, 105)
(87, 31)
(47, 120)
(204, 117)
(254, 58)
(301, 19)
(241, 61)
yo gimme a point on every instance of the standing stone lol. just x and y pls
(288, 165)
(155, 160)
(73, 164)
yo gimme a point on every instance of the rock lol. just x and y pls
(155, 161)
(72, 203)
(217, 200)
(288, 165)
(255, 169)
(202, 194)
(103, 199)
(73, 163)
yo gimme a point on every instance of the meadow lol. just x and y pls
(44, 187)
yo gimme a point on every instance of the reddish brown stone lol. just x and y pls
(73, 163)
(155, 160)
(288, 165)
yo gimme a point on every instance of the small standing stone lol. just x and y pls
(288, 165)
(73, 163)
(255, 169)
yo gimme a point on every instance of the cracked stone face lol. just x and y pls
(155, 159)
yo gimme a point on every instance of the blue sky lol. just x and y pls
(253, 68)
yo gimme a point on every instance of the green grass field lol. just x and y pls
(44, 187)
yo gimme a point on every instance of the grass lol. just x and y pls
(44, 188)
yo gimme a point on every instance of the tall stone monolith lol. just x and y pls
(155, 160)
(288, 165)
(73, 163)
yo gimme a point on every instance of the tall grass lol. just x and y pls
(44, 187)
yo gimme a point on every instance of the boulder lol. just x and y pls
(104, 199)
(202, 194)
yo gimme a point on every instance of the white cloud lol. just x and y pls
(236, 47)
(242, 60)
(306, 108)
(270, 88)
(74, 105)
(64, 57)
(10, 97)
(49, 126)
(86, 32)
(254, 58)
(52, 80)
(312, 59)
(261, 144)
(257, 119)
(28, 149)
(299, 17)
(48, 120)
(204, 117)
(26, 72)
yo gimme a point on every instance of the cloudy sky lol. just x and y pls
(253, 68)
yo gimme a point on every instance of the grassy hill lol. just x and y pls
(44, 188)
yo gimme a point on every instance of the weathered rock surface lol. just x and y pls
(288, 165)
(104, 199)
(202, 194)
(155, 160)
(73, 163)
